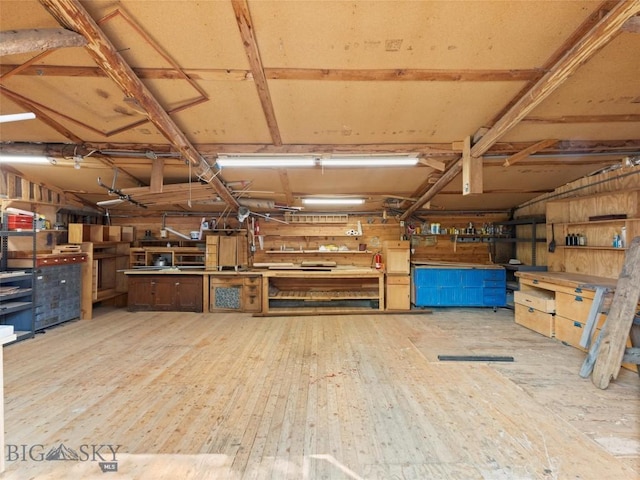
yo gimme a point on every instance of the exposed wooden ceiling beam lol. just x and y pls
(633, 118)
(245, 24)
(433, 163)
(522, 154)
(395, 75)
(286, 185)
(14, 42)
(577, 55)
(353, 75)
(436, 155)
(71, 14)
(41, 115)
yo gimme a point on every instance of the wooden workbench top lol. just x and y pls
(570, 279)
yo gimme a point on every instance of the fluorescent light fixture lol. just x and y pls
(333, 201)
(266, 162)
(32, 159)
(16, 117)
(368, 161)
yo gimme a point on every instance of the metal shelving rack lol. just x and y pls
(17, 286)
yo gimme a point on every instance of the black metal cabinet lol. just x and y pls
(58, 294)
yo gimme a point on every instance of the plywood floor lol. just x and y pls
(195, 396)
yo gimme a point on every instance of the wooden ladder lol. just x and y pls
(609, 350)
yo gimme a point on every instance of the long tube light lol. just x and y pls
(368, 161)
(266, 162)
(16, 117)
(309, 161)
(333, 201)
(31, 159)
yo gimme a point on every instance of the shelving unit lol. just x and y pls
(310, 240)
(17, 287)
(532, 239)
(177, 256)
(107, 258)
(598, 218)
(342, 291)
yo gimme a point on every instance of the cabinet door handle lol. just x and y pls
(578, 299)
(531, 310)
(177, 283)
(578, 290)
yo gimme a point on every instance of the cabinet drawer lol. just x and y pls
(536, 320)
(543, 300)
(570, 331)
(252, 281)
(398, 279)
(575, 307)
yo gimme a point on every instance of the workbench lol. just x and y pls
(341, 290)
(557, 304)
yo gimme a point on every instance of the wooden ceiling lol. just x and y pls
(512, 99)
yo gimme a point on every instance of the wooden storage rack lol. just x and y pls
(317, 292)
(598, 257)
(107, 258)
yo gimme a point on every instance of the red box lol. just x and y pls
(20, 222)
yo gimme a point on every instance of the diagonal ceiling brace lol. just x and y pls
(245, 24)
(72, 15)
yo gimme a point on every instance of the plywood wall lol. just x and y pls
(626, 178)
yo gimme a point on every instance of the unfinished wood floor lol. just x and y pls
(228, 396)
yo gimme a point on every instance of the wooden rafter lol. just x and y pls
(14, 42)
(286, 186)
(624, 118)
(41, 114)
(598, 36)
(522, 154)
(71, 14)
(472, 174)
(353, 75)
(245, 24)
(395, 75)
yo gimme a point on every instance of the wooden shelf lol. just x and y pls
(331, 252)
(617, 221)
(570, 217)
(326, 295)
(591, 247)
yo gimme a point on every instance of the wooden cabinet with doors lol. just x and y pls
(165, 292)
(396, 258)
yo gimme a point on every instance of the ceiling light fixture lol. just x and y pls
(258, 162)
(368, 161)
(30, 159)
(16, 117)
(333, 201)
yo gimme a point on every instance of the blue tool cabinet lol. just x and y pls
(458, 286)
